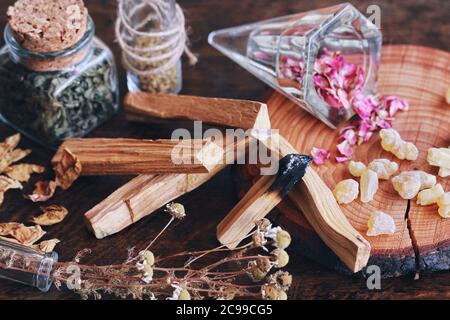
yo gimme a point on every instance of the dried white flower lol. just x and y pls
(179, 293)
(176, 210)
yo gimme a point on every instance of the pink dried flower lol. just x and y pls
(319, 155)
(348, 134)
(345, 149)
(392, 104)
(292, 69)
(261, 55)
(336, 80)
(340, 84)
(364, 105)
(342, 159)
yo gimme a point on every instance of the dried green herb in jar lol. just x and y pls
(50, 96)
(51, 107)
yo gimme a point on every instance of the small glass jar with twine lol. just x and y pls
(153, 38)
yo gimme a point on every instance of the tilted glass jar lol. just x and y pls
(26, 265)
(283, 53)
(52, 96)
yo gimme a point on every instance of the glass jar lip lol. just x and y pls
(18, 49)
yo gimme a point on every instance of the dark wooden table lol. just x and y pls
(422, 22)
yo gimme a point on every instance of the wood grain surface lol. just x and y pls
(420, 22)
(419, 75)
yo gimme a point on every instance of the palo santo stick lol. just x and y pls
(262, 197)
(146, 193)
(135, 156)
(316, 201)
(254, 206)
(244, 114)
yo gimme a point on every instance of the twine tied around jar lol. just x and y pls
(149, 52)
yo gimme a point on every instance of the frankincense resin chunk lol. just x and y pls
(444, 205)
(346, 191)
(356, 168)
(439, 157)
(380, 223)
(368, 185)
(430, 196)
(384, 168)
(409, 183)
(392, 142)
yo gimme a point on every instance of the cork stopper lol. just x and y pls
(44, 26)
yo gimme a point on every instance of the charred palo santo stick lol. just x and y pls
(144, 107)
(264, 195)
(146, 193)
(316, 201)
(135, 156)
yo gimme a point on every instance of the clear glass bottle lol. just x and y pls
(263, 47)
(148, 32)
(25, 265)
(52, 96)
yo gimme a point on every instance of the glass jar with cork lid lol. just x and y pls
(57, 80)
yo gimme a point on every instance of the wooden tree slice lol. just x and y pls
(422, 239)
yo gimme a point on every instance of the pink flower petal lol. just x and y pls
(320, 82)
(349, 135)
(261, 55)
(342, 159)
(345, 148)
(319, 155)
(340, 84)
(393, 104)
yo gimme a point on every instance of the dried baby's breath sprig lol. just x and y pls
(218, 273)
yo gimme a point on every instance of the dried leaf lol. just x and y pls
(46, 246)
(9, 144)
(7, 228)
(17, 155)
(12, 157)
(9, 239)
(43, 191)
(27, 235)
(8, 183)
(67, 170)
(51, 215)
(23, 172)
(3, 164)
